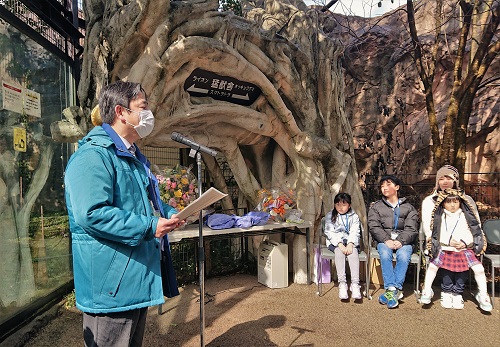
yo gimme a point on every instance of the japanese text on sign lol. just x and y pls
(20, 100)
(207, 83)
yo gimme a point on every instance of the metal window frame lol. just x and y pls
(58, 17)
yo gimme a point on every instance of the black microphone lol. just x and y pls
(197, 147)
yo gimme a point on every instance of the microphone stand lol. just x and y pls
(201, 256)
(195, 150)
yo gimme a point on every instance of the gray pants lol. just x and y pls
(352, 259)
(120, 329)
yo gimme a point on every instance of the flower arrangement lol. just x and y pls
(276, 203)
(177, 186)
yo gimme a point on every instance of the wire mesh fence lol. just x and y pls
(482, 187)
(223, 256)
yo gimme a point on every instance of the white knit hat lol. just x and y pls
(448, 171)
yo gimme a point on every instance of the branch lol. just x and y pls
(485, 53)
(417, 47)
(327, 6)
(427, 80)
(488, 81)
(457, 69)
(437, 34)
(478, 77)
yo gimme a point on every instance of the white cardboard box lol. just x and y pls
(273, 264)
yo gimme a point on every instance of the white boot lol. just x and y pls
(457, 301)
(446, 300)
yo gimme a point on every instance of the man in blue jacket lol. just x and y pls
(117, 223)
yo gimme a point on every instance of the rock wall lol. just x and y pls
(385, 101)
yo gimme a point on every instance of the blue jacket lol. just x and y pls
(110, 196)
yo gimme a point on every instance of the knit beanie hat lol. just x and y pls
(448, 171)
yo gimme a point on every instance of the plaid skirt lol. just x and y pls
(456, 261)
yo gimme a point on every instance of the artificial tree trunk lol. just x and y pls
(17, 286)
(295, 135)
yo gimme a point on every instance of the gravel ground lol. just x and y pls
(242, 312)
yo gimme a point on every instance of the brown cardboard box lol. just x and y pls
(375, 272)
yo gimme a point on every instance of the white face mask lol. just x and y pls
(146, 123)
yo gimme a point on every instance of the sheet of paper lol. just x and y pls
(206, 199)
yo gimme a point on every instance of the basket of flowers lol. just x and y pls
(178, 186)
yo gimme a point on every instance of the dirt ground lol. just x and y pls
(241, 312)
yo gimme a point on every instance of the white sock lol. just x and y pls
(480, 278)
(430, 275)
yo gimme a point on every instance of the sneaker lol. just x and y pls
(394, 301)
(484, 301)
(457, 302)
(390, 298)
(383, 298)
(343, 295)
(356, 291)
(426, 297)
(446, 300)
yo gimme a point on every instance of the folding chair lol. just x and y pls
(491, 230)
(325, 253)
(415, 260)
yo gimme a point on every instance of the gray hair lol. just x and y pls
(118, 93)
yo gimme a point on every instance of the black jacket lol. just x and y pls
(381, 220)
(472, 222)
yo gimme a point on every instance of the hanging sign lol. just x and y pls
(20, 100)
(20, 139)
(32, 103)
(206, 83)
(12, 97)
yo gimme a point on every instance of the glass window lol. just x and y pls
(35, 242)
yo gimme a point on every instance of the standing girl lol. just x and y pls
(342, 231)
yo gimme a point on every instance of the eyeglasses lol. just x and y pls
(128, 109)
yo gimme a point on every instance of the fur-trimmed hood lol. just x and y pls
(473, 223)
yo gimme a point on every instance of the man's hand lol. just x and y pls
(397, 244)
(165, 226)
(391, 244)
(181, 223)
